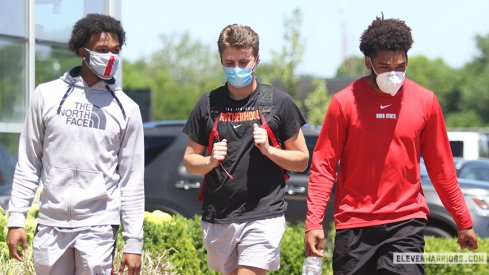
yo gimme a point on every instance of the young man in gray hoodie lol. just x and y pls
(83, 142)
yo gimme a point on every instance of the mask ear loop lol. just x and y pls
(372, 67)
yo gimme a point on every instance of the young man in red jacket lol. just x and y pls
(378, 128)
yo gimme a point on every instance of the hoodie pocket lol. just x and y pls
(75, 192)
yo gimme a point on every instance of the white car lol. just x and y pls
(469, 145)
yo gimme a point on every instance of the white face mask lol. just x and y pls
(104, 65)
(390, 82)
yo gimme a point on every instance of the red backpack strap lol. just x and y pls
(201, 192)
(271, 135)
(214, 135)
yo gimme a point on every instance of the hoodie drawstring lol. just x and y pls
(116, 99)
(67, 93)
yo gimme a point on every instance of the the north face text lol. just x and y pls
(85, 115)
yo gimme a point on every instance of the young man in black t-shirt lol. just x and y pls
(243, 196)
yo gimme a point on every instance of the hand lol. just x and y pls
(16, 236)
(314, 242)
(261, 138)
(133, 263)
(219, 152)
(467, 239)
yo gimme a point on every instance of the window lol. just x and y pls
(457, 148)
(154, 146)
(55, 18)
(475, 172)
(8, 161)
(53, 26)
(52, 61)
(310, 143)
(13, 79)
(13, 17)
(13, 42)
(484, 146)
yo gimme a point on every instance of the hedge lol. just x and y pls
(173, 245)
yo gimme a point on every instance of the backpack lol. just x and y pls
(265, 109)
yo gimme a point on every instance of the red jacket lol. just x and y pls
(379, 139)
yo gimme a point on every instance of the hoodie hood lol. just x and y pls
(73, 78)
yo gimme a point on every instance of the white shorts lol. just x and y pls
(254, 244)
(88, 250)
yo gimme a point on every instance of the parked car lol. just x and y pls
(170, 188)
(476, 194)
(475, 169)
(469, 144)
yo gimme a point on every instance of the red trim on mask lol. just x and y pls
(109, 66)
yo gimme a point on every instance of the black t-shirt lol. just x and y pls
(258, 188)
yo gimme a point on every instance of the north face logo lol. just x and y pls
(97, 118)
(85, 115)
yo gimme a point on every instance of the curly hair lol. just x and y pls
(238, 36)
(386, 34)
(94, 24)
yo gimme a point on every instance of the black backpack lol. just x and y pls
(265, 109)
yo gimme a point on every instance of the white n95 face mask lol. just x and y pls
(104, 65)
(390, 82)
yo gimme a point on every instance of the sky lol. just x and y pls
(330, 29)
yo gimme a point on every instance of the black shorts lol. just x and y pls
(370, 250)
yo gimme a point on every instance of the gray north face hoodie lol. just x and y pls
(85, 147)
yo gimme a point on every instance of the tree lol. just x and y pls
(178, 74)
(463, 120)
(353, 66)
(137, 75)
(286, 61)
(474, 87)
(437, 76)
(317, 102)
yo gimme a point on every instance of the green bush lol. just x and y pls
(173, 245)
(182, 239)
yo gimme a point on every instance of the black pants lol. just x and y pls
(370, 250)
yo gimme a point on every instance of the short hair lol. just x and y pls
(238, 36)
(94, 24)
(386, 34)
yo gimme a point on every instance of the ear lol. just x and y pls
(368, 62)
(83, 53)
(257, 59)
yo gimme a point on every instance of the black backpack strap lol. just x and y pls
(265, 108)
(265, 102)
(214, 97)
